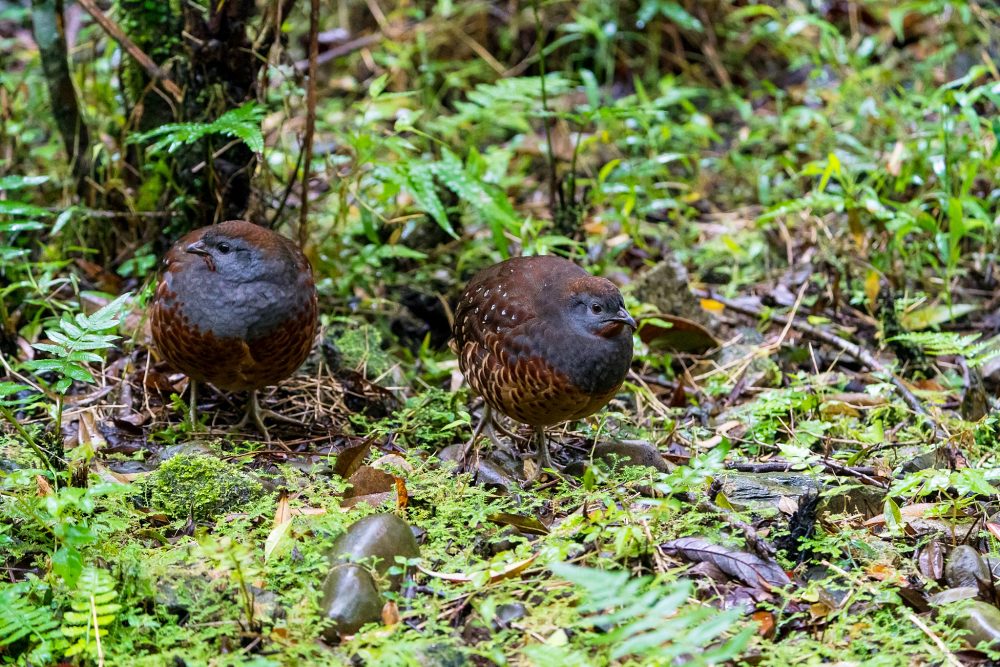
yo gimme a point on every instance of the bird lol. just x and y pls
(236, 307)
(543, 342)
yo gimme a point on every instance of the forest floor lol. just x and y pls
(799, 469)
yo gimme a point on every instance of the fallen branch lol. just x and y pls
(850, 349)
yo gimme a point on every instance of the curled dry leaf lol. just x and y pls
(373, 486)
(748, 568)
(665, 331)
(510, 570)
(350, 459)
(930, 560)
(390, 613)
(525, 524)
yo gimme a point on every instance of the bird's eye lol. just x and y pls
(224, 248)
(595, 308)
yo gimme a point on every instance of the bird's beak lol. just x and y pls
(197, 248)
(623, 317)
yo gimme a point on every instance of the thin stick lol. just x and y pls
(307, 141)
(850, 349)
(949, 657)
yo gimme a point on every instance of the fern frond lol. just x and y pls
(92, 610)
(22, 619)
(976, 349)
(492, 206)
(242, 123)
(653, 619)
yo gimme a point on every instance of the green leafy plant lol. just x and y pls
(649, 619)
(93, 608)
(22, 619)
(75, 341)
(976, 349)
(243, 123)
(62, 521)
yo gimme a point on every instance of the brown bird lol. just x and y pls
(236, 307)
(542, 341)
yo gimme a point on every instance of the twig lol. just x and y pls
(307, 141)
(754, 542)
(338, 51)
(545, 117)
(117, 34)
(785, 466)
(948, 656)
(850, 349)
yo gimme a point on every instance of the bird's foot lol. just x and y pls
(469, 459)
(256, 414)
(543, 461)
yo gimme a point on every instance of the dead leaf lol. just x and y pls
(402, 495)
(788, 505)
(350, 459)
(525, 524)
(712, 306)
(390, 613)
(676, 333)
(873, 285)
(88, 434)
(394, 460)
(283, 512)
(510, 570)
(765, 622)
(367, 480)
(994, 530)
(921, 318)
(895, 162)
(930, 560)
(44, 488)
(748, 568)
(911, 511)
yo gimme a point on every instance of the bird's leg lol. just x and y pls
(485, 426)
(542, 459)
(193, 405)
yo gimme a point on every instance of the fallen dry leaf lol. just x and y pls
(511, 570)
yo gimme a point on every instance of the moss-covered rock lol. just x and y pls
(199, 485)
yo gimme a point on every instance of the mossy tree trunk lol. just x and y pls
(206, 50)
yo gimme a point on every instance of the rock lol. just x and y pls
(982, 621)
(665, 286)
(350, 597)
(950, 595)
(965, 567)
(507, 614)
(631, 453)
(757, 491)
(864, 500)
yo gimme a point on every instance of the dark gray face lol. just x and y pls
(600, 313)
(234, 258)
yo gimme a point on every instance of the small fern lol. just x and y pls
(974, 348)
(652, 620)
(242, 123)
(74, 341)
(489, 202)
(21, 620)
(92, 610)
(508, 103)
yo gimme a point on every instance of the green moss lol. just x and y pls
(200, 486)
(360, 347)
